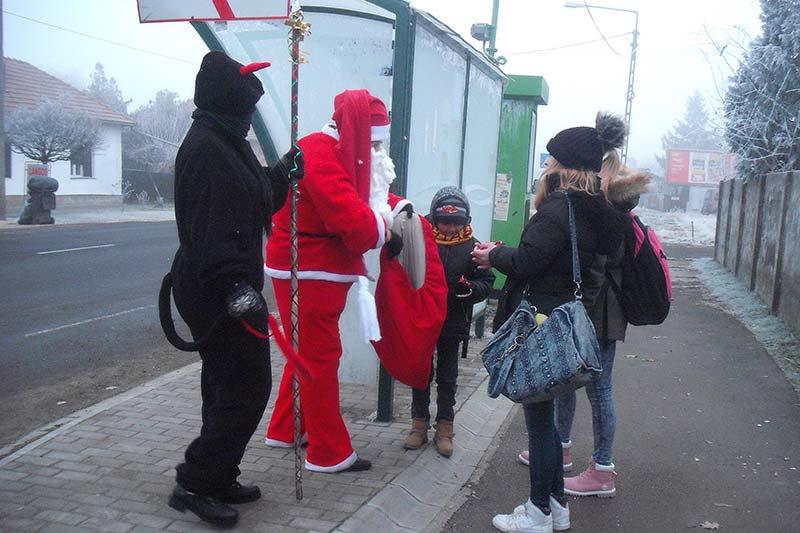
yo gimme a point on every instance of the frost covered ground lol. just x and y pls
(676, 227)
(732, 297)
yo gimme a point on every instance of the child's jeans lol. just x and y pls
(604, 412)
(446, 376)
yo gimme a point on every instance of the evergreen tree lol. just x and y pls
(107, 91)
(694, 132)
(762, 105)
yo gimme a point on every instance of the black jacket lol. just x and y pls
(457, 261)
(543, 261)
(224, 200)
(606, 313)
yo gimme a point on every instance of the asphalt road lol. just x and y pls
(79, 318)
(708, 431)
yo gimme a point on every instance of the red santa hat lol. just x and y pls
(361, 119)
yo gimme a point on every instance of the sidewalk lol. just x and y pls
(111, 467)
(99, 214)
(708, 430)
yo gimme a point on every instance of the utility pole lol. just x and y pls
(630, 93)
(492, 49)
(3, 169)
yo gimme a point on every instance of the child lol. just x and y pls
(467, 285)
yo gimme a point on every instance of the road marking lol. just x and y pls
(104, 317)
(76, 249)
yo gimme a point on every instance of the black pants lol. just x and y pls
(235, 384)
(446, 376)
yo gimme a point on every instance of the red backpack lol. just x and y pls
(646, 290)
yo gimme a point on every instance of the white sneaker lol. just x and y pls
(526, 518)
(560, 515)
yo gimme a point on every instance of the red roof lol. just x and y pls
(27, 86)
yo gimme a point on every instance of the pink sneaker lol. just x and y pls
(524, 457)
(597, 480)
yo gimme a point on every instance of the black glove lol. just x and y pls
(408, 209)
(244, 302)
(286, 165)
(395, 245)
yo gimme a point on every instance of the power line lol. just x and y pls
(598, 27)
(107, 41)
(571, 45)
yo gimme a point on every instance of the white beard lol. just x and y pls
(381, 178)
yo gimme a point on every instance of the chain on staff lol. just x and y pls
(298, 30)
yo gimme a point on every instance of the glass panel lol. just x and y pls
(480, 149)
(436, 118)
(342, 52)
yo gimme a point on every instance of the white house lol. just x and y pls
(92, 178)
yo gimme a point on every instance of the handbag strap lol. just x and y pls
(573, 237)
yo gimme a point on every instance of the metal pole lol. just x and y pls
(298, 30)
(630, 93)
(492, 50)
(3, 169)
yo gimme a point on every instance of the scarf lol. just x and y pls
(461, 237)
(235, 126)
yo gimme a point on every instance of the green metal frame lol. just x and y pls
(259, 126)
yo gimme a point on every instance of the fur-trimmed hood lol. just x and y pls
(625, 189)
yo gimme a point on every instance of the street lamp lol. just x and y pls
(488, 33)
(634, 45)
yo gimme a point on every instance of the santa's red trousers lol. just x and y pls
(320, 305)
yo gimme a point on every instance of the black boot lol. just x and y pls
(209, 508)
(238, 493)
(359, 466)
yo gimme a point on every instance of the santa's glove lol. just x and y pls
(408, 209)
(463, 288)
(395, 245)
(243, 302)
(291, 165)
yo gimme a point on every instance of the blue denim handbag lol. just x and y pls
(529, 363)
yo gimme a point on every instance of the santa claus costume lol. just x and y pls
(336, 226)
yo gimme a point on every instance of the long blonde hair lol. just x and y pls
(571, 179)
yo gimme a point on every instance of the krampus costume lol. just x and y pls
(224, 200)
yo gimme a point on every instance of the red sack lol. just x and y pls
(410, 319)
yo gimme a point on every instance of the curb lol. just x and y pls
(418, 495)
(46, 433)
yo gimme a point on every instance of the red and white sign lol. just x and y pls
(695, 167)
(206, 10)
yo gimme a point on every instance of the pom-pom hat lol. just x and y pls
(583, 148)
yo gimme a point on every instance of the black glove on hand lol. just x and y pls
(395, 245)
(243, 301)
(408, 210)
(287, 163)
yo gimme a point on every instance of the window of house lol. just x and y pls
(81, 164)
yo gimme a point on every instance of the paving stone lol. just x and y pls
(61, 517)
(111, 526)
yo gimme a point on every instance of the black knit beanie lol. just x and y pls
(221, 88)
(583, 148)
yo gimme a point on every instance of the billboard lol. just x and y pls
(207, 10)
(699, 167)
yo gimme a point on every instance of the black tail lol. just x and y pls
(168, 325)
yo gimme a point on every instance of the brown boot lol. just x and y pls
(443, 438)
(418, 434)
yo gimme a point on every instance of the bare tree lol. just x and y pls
(50, 132)
(161, 125)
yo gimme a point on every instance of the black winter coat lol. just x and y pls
(224, 200)
(543, 261)
(457, 261)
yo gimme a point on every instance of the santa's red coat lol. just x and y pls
(335, 226)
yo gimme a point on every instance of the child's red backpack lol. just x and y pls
(646, 290)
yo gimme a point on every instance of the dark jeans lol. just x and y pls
(235, 385)
(544, 445)
(446, 376)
